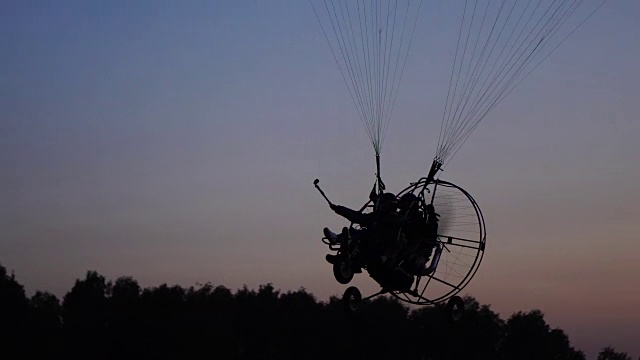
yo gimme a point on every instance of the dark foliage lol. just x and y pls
(609, 353)
(100, 319)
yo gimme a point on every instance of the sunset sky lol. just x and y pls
(178, 142)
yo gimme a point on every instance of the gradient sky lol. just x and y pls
(178, 141)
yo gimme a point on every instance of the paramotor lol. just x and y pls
(499, 43)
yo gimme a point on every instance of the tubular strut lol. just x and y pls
(381, 292)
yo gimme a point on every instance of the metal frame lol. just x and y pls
(416, 295)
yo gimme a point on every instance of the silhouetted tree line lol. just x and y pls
(99, 319)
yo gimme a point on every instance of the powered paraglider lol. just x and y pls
(499, 44)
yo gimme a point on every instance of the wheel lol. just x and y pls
(352, 298)
(455, 308)
(342, 270)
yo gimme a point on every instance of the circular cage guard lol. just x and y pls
(461, 236)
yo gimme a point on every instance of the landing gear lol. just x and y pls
(455, 308)
(342, 270)
(352, 298)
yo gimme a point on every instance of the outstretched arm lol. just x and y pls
(351, 215)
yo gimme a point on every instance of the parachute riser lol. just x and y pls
(436, 165)
(380, 185)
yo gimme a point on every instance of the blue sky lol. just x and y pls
(178, 142)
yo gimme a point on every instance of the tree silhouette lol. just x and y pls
(14, 307)
(481, 329)
(99, 319)
(124, 317)
(528, 336)
(45, 323)
(609, 353)
(85, 315)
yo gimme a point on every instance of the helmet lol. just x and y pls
(407, 201)
(387, 202)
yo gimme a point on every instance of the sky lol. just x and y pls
(178, 142)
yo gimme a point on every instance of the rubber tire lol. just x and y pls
(352, 298)
(342, 271)
(455, 309)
